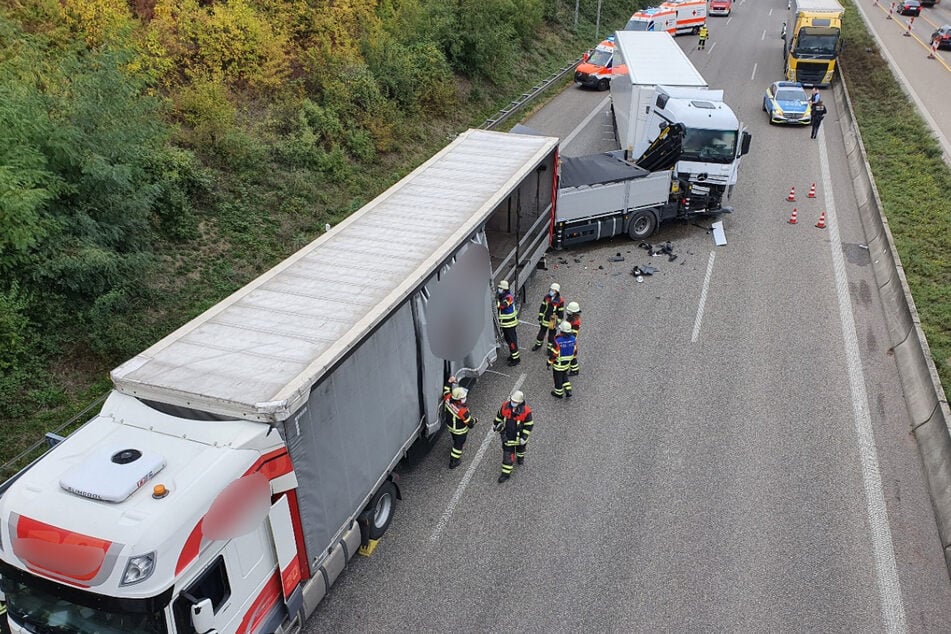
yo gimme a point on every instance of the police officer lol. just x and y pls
(559, 359)
(508, 320)
(704, 34)
(550, 314)
(458, 418)
(573, 317)
(514, 424)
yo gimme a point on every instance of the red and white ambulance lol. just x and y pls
(674, 16)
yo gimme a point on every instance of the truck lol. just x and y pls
(813, 41)
(241, 461)
(721, 7)
(656, 85)
(596, 67)
(674, 16)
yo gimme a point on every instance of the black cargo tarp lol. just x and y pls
(597, 169)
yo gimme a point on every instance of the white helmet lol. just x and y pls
(564, 327)
(556, 287)
(504, 285)
(459, 393)
(573, 308)
(517, 397)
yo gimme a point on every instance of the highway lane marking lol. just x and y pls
(703, 298)
(598, 108)
(754, 72)
(710, 50)
(889, 585)
(467, 477)
(763, 36)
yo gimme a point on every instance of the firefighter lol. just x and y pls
(458, 418)
(514, 424)
(704, 34)
(559, 359)
(573, 317)
(508, 320)
(550, 314)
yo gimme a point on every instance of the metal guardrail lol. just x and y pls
(528, 97)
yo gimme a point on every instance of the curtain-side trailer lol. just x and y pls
(243, 459)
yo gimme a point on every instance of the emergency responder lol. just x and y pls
(508, 320)
(704, 34)
(550, 314)
(514, 424)
(573, 317)
(458, 418)
(559, 359)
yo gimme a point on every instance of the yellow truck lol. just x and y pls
(813, 41)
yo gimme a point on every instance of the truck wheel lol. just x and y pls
(381, 509)
(603, 84)
(642, 225)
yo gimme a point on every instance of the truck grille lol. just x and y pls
(811, 72)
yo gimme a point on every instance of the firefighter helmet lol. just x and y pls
(459, 393)
(504, 285)
(556, 287)
(517, 397)
(564, 327)
(573, 308)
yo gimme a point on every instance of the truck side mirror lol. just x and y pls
(203, 617)
(745, 143)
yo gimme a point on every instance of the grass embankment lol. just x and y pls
(912, 179)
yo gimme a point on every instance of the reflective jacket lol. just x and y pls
(514, 423)
(562, 350)
(508, 313)
(459, 420)
(575, 321)
(551, 311)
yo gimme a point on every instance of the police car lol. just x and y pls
(786, 102)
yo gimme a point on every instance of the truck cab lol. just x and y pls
(595, 70)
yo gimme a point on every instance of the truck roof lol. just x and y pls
(690, 103)
(256, 354)
(653, 58)
(819, 6)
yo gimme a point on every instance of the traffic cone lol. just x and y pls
(792, 219)
(812, 191)
(934, 48)
(792, 195)
(822, 220)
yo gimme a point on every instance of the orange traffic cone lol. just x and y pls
(792, 219)
(822, 220)
(812, 191)
(792, 195)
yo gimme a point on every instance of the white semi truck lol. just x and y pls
(243, 459)
(654, 86)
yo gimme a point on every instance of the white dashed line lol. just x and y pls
(703, 298)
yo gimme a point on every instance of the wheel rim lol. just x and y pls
(381, 512)
(641, 225)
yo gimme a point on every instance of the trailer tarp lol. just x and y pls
(597, 169)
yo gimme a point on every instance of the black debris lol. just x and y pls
(616, 258)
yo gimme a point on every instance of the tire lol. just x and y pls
(381, 509)
(603, 84)
(642, 225)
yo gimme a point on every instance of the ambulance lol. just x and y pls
(595, 70)
(674, 16)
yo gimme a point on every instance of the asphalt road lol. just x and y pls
(737, 456)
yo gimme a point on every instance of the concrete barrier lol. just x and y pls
(924, 396)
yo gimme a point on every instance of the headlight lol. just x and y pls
(138, 569)
(777, 110)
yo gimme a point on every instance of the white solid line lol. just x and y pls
(587, 120)
(754, 72)
(461, 488)
(889, 585)
(703, 298)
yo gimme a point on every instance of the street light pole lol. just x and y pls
(576, 14)
(597, 23)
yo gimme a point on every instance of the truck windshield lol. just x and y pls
(600, 58)
(636, 25)
(817, 42)
(48, 614)
(709, 146)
